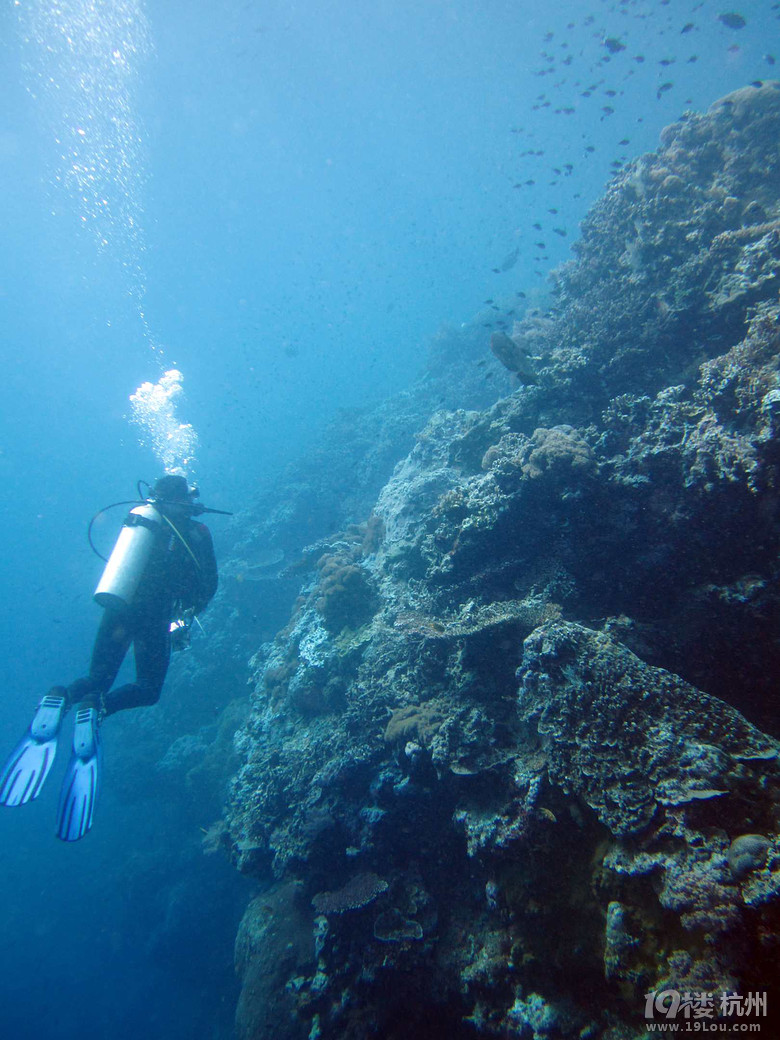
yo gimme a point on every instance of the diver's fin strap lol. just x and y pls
(85, 733)
(48, 718)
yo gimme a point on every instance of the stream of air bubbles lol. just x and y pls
(83, 60)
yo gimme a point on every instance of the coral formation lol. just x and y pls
(345, 593)
(358, 892)
(522, 723)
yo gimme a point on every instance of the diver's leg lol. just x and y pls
(152, 649)
(30, 762)
(112, 642)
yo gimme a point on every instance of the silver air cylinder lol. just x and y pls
(127, 562)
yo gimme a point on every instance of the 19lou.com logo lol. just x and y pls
(669, 1011)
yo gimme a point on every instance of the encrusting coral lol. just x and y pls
(529, 712)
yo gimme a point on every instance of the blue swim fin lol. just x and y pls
(32, 759)
(82, 778)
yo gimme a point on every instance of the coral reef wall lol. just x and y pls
(511, 761)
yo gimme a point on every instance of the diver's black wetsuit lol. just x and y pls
(176, 578)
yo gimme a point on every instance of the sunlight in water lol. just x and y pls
(83, 62)
(83, 59)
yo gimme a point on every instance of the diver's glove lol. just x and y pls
(181, 631)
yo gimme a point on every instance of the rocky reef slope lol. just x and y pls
(512, 762)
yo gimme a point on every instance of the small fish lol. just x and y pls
(624, 142)
(663, 88)
(769, 59)
(560, 231)
(688, 27)
(607, 110)
(614, 45)
(509, 260)
(732, 20)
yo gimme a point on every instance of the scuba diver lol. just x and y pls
(161, 573)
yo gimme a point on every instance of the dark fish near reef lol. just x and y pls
(514, 357)
(613, 44)
(732, 20)
(509, 261)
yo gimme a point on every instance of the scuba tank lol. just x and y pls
(126, 564)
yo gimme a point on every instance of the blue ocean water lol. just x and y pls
(285, 202)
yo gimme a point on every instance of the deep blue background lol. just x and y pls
(318, 187)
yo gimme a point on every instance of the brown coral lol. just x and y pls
(558, 451)
(418, 722)
(346, 599)
(359, 891)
